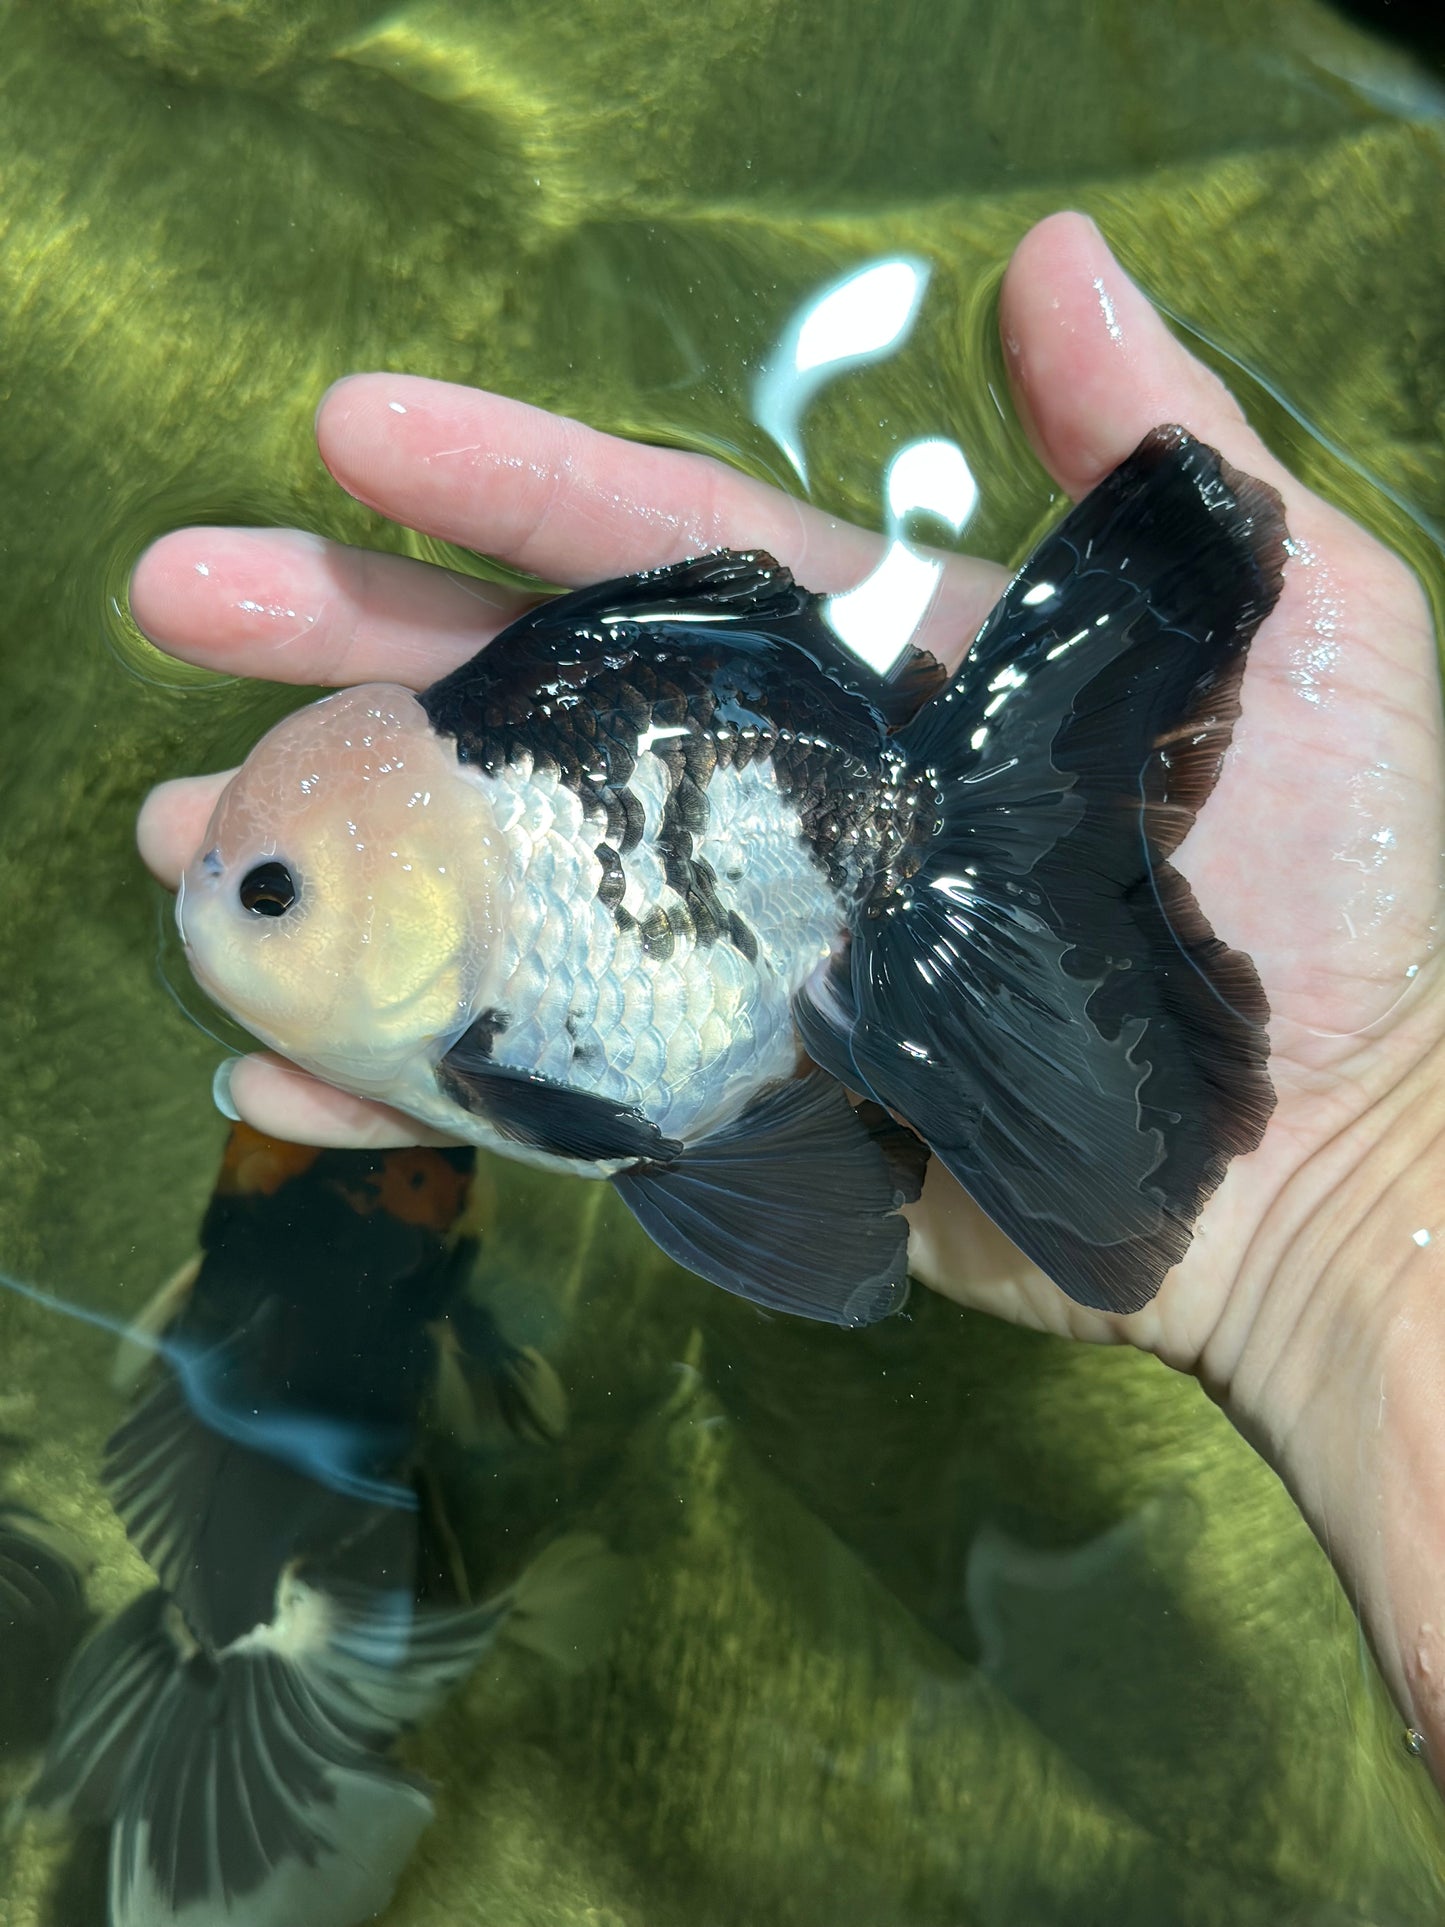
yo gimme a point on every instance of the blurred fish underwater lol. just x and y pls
(233, 1726)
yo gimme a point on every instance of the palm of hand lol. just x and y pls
(1318, 853)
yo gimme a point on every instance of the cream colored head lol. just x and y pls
(341, 903)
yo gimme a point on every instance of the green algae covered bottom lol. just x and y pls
(939, 1625)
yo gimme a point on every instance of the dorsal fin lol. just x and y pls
(748, 589)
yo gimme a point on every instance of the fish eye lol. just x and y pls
(268, 891)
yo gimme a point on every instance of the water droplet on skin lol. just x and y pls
(1315, 660)
(1106, 309)
(1414, 1742)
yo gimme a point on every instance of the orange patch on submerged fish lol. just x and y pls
(257, 1166)
(418, 1185)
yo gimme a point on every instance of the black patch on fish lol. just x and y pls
(613, 886)
(634, 822)
(794, 1205)
(1047, 1004)
(480, 1036)
(684, 819)
(215, 1514)
(657, 936)
(551, 1117)
(730, 650)
(742, 937)
(687, 809)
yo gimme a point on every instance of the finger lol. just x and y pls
(280, 1100)
(558, 499)
(543, 493)
(294, 608)
(173, 821)
(1094, 367)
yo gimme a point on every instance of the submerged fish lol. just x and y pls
(254, 1785)
(327, 1314)
(234, 1725)
(590, 899)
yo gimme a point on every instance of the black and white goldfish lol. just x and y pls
(597, 898)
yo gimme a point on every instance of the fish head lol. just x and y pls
(342, 902)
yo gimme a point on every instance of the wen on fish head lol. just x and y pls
(343, 902)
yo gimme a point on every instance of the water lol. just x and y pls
(941, 1623)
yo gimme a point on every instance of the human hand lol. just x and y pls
(1318, 853)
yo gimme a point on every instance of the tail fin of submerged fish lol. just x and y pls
(1045, 1002)
(254, 1785)
(213, 1509)
(569, 1602)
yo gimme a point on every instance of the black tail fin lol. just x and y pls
(1045, 1003)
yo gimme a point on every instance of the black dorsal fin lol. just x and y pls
(750, 591)
(746, 584)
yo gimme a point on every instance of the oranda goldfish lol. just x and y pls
(597, 899)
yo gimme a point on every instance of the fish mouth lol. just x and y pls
(211, 867)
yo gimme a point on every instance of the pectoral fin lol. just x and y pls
(533, 1110)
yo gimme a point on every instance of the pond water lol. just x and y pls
(935, 1624)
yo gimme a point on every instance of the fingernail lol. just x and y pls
(221, 1089)
(339, 383)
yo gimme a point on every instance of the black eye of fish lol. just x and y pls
(268, 891)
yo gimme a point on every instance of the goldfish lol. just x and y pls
(234, 1724)
(664, 877)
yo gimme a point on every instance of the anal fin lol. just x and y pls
(795, 1206)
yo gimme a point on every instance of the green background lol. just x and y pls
(939, 1624)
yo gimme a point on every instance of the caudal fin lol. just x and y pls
(255, 1787)
(1046, 1002)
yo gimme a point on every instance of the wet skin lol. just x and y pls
(1305, 1303)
